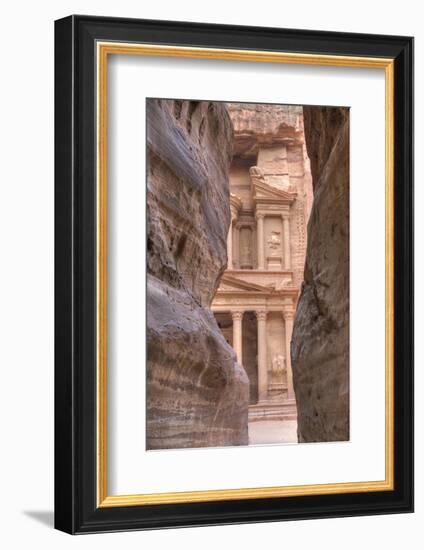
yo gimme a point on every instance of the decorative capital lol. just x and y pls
(288, 314)
(237, 315)
(259, 216)
(261, 314)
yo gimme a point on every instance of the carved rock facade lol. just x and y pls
(271, 195)
(197, 394)
(320, 342)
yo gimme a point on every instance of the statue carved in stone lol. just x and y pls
(278, 367)
(246, 253)
(278, 364)
(274, 242)
(245, 247)
(256, 175)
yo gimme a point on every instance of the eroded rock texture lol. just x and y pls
(258, 125)
(320, 342)
(197, 394)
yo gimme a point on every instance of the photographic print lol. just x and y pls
(247, 274)
(233, 274)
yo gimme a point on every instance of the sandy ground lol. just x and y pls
(272, 431)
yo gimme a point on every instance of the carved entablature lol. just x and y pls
(245, 221)
(266, 279)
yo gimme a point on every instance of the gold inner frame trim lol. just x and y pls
(103, 50)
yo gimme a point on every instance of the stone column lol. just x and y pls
(260, 236)
(288, 315)
(236, 250)
(237, 334)
(286, 235)
(254, 248)
(262, 359)
(230, 246)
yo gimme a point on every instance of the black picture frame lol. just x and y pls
(76, 508)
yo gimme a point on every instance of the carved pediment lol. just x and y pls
(264, 193)
(233, 284)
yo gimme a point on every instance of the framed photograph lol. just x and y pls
(234, 270)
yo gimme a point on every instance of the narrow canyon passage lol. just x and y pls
(270, 201)
(247, 274)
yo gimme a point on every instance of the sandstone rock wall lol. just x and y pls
(260, 125)
(320, 341)
(197, 394)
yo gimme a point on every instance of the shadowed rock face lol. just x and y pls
(320, 342)
(197, 394)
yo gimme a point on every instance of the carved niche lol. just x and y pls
(278, 377)
(245, 248)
